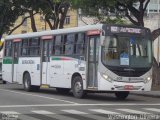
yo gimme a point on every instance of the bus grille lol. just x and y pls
(129, 73)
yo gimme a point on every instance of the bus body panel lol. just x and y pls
(56, 72)
(137, 83)
(7, 72)
(105, 85)
(32, 66)
(62, 69)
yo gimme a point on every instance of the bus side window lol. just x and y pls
(52, 47)
(34, 46)
(8, 48)
(80, 44)
(24, 49)
(58, 45)
(69, 44)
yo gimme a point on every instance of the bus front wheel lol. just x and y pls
(121, 95)
(77, 87)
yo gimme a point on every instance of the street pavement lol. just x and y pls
(148, 93)
(47, 104)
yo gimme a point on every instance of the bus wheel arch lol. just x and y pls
(77, 86)
(27, 83)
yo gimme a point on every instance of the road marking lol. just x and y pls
(42, 112)
(103, 111)
(63, 105)
(152, 109)
(132, 111)
(9, 112)
(51, 98)
(74, 111)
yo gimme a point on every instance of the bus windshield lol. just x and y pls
(127, 51)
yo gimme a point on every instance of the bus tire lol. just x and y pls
(4, 82)
(27, 82)
(63, 90)
(122, 95)
(77, 87)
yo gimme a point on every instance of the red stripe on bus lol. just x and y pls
(46, 37)
(94, 32)
(65, 59)
(17, 40)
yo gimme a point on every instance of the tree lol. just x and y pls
(9, 12)
(30, 7)
(100, 9)
(133, 12)
(56, 11)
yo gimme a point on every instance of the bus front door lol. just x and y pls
(93, 61)
(15, 60)
(45, 62)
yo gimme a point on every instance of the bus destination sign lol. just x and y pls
(117, 29)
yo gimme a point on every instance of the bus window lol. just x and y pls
(58, 45)
(80, 44)
(8, 49)
(69, 44)
(111, 53)
(34, 47)
(24, 48)
(30, 47)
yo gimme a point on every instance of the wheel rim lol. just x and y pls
(26, 83)
(78, 87)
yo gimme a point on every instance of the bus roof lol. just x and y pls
(58, 31)
(65, 31)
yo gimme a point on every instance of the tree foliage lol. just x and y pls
(55, 12)
(9, 12)
(97, 8)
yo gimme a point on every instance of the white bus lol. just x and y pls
(94, 58)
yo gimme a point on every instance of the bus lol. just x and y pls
(92, 58)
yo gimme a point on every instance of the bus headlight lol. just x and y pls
(148, 79)
(106, 77)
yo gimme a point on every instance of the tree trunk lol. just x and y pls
(61, 23)
(50, 24)
(33, 25)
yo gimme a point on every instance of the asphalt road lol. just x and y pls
(47, 104)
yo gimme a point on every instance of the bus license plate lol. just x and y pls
(128, 87)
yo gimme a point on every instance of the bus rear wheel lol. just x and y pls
(27, 84)
(77, 87)
(122, 95)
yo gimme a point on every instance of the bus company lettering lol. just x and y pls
(56, 66)
(28, 62)
(126, 30)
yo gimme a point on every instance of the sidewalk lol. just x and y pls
(148, 94)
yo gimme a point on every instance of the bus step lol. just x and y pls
(44, 86)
